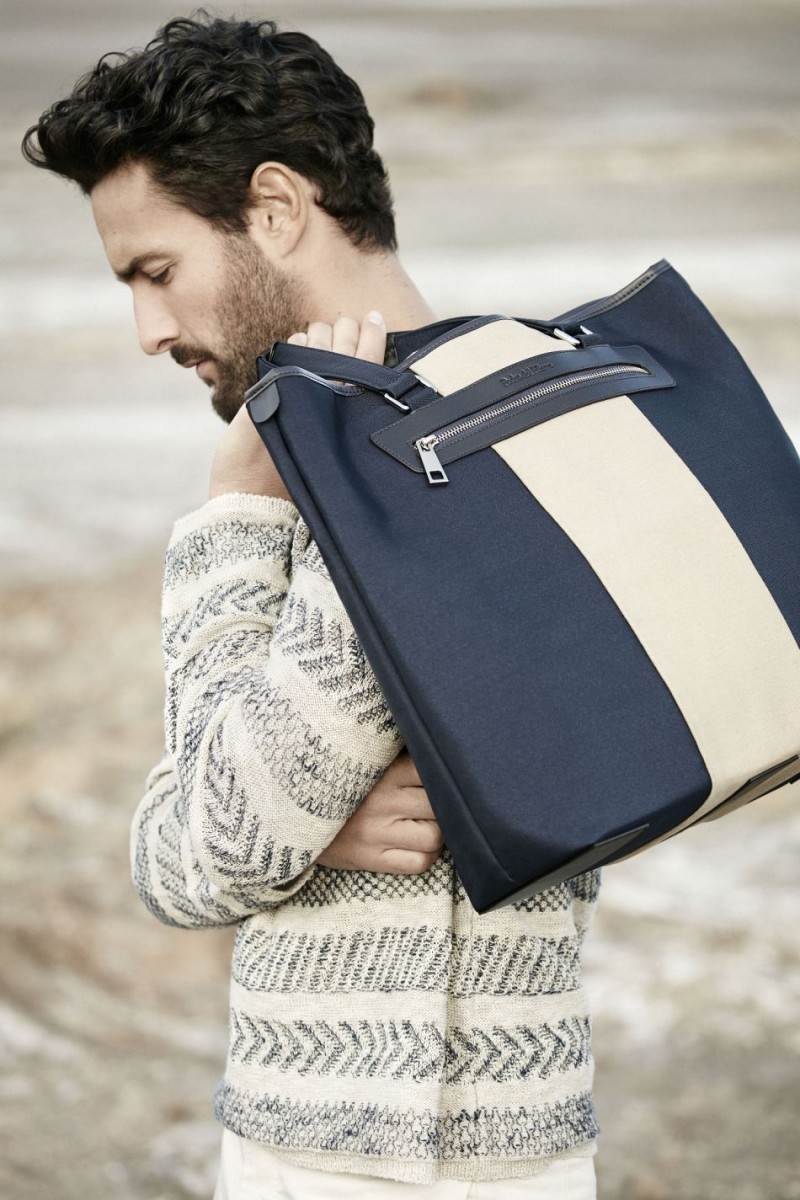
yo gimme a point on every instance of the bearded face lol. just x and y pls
(212, 299)
(256, 306)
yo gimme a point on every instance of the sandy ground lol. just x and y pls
(542, 154)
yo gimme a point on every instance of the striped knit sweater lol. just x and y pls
(378, 1025)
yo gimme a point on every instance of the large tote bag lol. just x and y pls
(571, 551)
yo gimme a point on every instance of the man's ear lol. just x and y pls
(280, 207)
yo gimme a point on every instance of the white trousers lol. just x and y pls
(251, 1171)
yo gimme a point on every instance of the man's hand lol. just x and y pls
(366, 339)
(393, 830)
(242, 462)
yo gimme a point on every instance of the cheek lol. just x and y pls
(199, 318)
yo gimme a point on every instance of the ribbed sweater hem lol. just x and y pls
(569, 1132)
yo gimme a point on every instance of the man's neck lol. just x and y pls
(354, 282)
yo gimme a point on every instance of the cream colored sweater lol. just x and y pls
(378, 1025)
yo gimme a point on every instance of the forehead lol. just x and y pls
(135, 217)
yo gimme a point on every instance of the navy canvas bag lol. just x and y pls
(571, 551)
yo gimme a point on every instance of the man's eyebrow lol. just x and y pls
(126, 274)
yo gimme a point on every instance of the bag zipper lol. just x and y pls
(425, 446)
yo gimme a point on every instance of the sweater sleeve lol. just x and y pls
(276, 728)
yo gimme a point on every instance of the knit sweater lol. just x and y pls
(378, 1025)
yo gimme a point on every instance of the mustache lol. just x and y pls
(186, 354)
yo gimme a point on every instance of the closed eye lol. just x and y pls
(162, 277)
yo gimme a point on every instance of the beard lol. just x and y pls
(258, 305)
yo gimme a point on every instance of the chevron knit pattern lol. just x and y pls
(377, 1024)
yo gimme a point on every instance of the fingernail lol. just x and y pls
(375, 317)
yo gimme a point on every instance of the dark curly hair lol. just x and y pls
(203, 104)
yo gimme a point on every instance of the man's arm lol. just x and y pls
(276, 727)
(393, 830)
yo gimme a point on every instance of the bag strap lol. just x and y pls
(376, 378)
(391, 383)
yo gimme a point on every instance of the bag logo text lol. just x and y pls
(524, 374)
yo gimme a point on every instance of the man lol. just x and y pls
(385, 1040)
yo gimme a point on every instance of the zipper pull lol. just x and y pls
(430, 459)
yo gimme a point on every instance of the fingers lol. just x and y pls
(342, 337)
(374, 839)
(411, 804)
(424, 836)
(406, 862)
(386, 805)
(391, 820)
(372, 338)
(389, 860)
(365, 339)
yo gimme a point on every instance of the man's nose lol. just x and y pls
(155, 324)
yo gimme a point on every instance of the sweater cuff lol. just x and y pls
(227, 538)
(237, 504)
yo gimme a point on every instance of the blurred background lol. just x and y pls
(542, 153)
